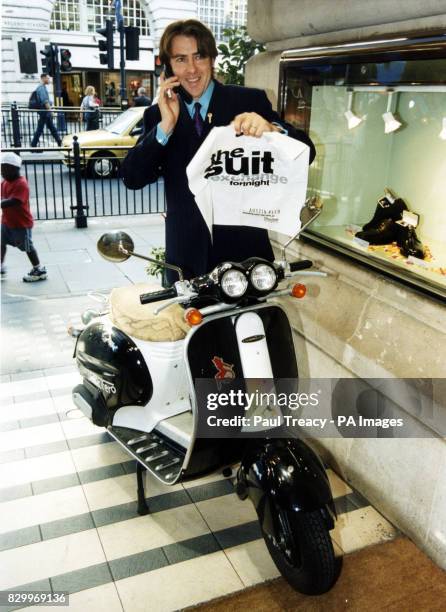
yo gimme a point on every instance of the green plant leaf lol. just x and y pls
(223, 49)
(239, 48)
(159, 254)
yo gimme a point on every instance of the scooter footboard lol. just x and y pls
(288, 474)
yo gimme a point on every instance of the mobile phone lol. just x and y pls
(185, 95)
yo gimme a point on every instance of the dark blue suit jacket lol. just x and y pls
(188, 243)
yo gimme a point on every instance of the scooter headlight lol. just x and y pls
(234, 283)
(263, 277)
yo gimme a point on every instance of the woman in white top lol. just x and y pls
(90, 107)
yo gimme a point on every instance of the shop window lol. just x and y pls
(378, 120)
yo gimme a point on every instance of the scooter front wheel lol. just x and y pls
(303, 551)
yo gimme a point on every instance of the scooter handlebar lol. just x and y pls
(157, 296)
(300, 265)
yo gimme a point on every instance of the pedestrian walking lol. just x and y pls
(65, 95)
(142, 99)
(17, 220)
(110, 93)
(90, 106)
(45, 116)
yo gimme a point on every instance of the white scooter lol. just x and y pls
(141, 363)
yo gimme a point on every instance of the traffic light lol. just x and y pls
(49, 60)
(107, 45)
(131, 43)
(65, 64)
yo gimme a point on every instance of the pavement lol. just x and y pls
(35, 316)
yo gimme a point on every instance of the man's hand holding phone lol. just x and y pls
(168, 103)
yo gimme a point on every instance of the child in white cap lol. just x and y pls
(17, 219)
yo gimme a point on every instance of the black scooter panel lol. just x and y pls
(213, 350)
(279, 339)
(109, 360)
(213, 354)
(217, 338)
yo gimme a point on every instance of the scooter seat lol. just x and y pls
(137, 320)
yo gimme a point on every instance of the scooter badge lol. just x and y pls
(224, 370)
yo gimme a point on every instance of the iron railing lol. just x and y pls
(70, 183)
(19, 124)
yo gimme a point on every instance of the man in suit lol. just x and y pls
(190, 104)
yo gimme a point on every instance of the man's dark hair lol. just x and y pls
(188, 27)
(44, 74)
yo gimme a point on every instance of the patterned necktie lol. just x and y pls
(198, 121)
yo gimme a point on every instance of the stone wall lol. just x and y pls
(287, 24)
(355, 322)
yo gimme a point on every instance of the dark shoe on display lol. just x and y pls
(408, 242)
(388, 207)
(383, 233)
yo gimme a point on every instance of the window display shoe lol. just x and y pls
(410, 245)
(36, 274)
(387, 208)
(383, 233)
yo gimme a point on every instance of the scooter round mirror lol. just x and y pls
(311, 210)
(116, 246)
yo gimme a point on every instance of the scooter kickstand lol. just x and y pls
(143, 508)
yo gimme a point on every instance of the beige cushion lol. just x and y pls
(137, 320)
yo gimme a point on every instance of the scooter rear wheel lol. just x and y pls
(303, 552)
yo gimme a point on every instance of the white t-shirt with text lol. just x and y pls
(257, 182)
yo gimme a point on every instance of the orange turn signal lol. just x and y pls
(298, 291)
(193, 316)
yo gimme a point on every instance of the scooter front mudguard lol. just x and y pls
(286, 475)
